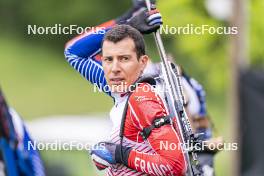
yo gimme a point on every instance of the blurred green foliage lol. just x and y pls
(209, 53)
(38, 82)
(256, 33)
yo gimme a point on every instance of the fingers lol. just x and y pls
(103, 154)
(99, 162)
(151, 12)
(154, 18)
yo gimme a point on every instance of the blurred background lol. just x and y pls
(44, 89)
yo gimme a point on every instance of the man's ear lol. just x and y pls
(143, 61)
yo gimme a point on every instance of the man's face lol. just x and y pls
(121, 65)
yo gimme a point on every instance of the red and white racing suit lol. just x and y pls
(160, 154)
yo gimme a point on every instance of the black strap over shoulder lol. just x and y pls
(149, 80)
(146, 131)
(157, 123)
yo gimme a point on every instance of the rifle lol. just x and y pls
(175, 100)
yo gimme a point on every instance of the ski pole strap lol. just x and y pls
(157, 123)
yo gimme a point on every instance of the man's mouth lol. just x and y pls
(117, 81)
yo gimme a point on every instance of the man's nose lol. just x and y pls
(115, 66)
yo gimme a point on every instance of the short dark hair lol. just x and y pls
(123, 31)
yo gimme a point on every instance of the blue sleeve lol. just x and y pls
(200, 93)
(81, 56)
(88, 45)
(34, 160)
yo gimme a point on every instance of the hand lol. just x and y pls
(146, 21)
(138, 6)
(105, 154)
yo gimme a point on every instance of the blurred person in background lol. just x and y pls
(17, 158)
(200, 121)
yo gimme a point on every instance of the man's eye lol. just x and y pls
(108, 59)
(124, 58)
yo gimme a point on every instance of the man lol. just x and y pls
(122, 64)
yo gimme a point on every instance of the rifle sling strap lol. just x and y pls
(157, 123)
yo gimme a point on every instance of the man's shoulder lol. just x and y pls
(146, 104)
(144, 92)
